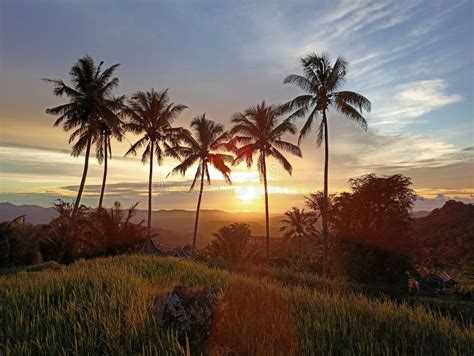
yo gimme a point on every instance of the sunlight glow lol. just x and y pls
(248, 194)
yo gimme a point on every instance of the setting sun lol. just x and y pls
(248, 194)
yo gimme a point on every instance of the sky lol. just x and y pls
(412, 59)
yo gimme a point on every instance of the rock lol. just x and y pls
(188, 310)
(46, 266)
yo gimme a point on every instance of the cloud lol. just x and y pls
(438, 201)
(412, 100)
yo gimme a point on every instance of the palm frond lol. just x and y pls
(352, 114)
(307, 126)
(288, 147)
(282, 160)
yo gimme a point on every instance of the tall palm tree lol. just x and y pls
(204, 147)
(151, 114)
(258, 131)
(322, 81)
(90, 104)
(298, 224)
(103, 146)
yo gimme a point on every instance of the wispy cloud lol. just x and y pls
(412, 100)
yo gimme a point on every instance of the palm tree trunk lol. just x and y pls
(150, 187)
(301, 244)
(67, 246)
(198, 208)
(104, 178)
(267, 222)
(325, 200)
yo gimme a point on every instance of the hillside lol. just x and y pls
(175, 227)
(445, 237)
(110, 306)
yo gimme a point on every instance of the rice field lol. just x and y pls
(109, 306)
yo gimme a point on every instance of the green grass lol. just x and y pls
(109, 306)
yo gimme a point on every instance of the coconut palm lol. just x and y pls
(204, 147)
(104, 148)
(151, 114)
(90, 105)
(257, 130)
(322, 81)
(298, 225)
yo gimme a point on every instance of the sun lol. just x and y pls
(247, 194)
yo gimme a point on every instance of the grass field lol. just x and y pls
(109, 306)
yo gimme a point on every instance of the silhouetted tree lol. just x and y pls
(323, 81)
(151, 115)
(298, 225)
(232, 244)
(111, 231)
(204, 148)
(377, 211)
(373, 221)
(90, 106)
(104, 148)
(258, 130)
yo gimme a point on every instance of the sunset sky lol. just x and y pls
(414, 60)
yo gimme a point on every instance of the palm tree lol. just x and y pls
(259, 131)
(104, 148)
(298, 224)
(204, 148)
(232, 244)
(322, 81)
(90, 104)
(151, 115)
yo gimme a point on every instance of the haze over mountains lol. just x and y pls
(174, 227)
(441, 235)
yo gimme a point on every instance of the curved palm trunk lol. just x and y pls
(104, 178)
(150, 187)
(198, 209)
(267, 222)
(325, 200)
(65, 254)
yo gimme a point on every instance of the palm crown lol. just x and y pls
(257, 130)
(204, 148)
(298, 222)
(151, 114)
(91, 108)
(322, 81)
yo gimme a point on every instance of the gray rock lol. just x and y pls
(188, 310)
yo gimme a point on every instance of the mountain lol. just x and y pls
(445, 237)
(421, 213)
(34, 214)
(174, 227)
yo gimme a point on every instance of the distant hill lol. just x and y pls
(175, 227)
(420, 213)
(34, 214)
(445, 237)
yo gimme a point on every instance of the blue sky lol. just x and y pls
(412, 59)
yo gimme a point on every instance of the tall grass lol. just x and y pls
(109, 306)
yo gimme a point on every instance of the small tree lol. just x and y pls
(298, 225)
(232, 244)
(111, 231)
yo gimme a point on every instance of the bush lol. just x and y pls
(371, 265)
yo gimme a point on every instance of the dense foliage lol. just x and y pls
(100, 232)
